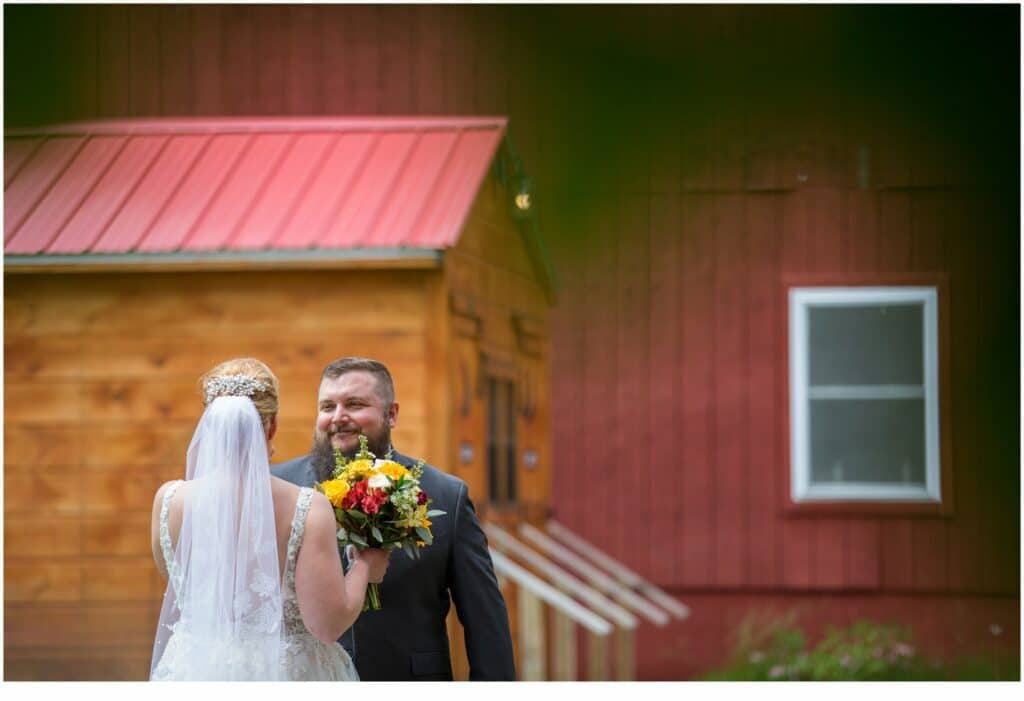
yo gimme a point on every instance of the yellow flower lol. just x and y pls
(335, 491)
(419, 518)
(357, 470)
(392, 469)
(420, 544)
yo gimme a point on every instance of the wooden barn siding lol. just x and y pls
(100, 401)
(491, 267)
(735, 247)
(930, 205)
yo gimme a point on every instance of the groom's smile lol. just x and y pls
(350, 405)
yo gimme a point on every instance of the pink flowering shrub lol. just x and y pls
(776, 650)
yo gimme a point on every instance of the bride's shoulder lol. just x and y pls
(158, 498)
(163, 489)
(283, 488)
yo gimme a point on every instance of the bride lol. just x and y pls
(255, 587)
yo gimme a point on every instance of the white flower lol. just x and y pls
(379, 481)
(776, 671)
(995, 629)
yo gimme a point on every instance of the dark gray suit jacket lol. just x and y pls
(407, 639)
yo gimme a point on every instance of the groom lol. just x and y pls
(407, 639)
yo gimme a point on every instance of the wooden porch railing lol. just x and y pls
(625, 622)
(532, 594)
(618, 570)
(603, 582)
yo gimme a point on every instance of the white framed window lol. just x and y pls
(864, 394)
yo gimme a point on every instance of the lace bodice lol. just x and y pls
(293, 624)
(173, 575)
(303, 657)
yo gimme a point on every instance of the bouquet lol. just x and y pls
(379, 504)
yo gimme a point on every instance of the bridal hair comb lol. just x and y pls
(233, 386)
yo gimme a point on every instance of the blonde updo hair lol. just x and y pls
(263, 395)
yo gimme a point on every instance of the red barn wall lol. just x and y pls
(687, 159)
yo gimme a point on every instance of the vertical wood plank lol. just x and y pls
(395, 54)
(114, 46)
(273, 27)
(895, 237)
(207, 31)
(489, 47)
(600, 362)
(570, 355)
(826, 230)
(632, 442)
(238, 86)
(565, 657)
(303, 65)
(334, 59)
(861, 231)
(625, 654)
(797, 535)
(830, 542)
(697, 544)
(78, 33)
(597, 657)
(897, 555)
(965, 557)
(996, 380)
(863, 554)
(459, 71)
(144, 61)
(362, 63)
(929, 548)
(176, 52)
(663, 381)
(532, 655)
(427, 45)
(764, 328)
(729, 452)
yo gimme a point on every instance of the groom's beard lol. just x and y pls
(322, 453)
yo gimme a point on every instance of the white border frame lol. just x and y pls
(801, 488)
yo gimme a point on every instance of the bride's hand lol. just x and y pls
(377, 563)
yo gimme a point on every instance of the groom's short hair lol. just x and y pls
(385, 386)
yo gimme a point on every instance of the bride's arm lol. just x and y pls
(154, 531)
(329, 600)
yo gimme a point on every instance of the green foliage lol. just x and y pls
(773, 648)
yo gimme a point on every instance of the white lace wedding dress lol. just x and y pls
(303, 657)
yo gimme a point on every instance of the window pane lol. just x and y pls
(494, 454)
(866, 345)
(879, 441)
(501, 440)
(510, 415)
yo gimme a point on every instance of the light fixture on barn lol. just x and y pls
(522, 198)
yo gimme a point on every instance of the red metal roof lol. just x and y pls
(267, 184)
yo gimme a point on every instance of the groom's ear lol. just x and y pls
(393, 414)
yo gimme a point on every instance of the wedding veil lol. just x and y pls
(221, 616)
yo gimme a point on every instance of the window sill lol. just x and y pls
(910, 509)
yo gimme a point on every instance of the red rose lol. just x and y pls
(421, 498)
(355, 495)
(370, 505)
